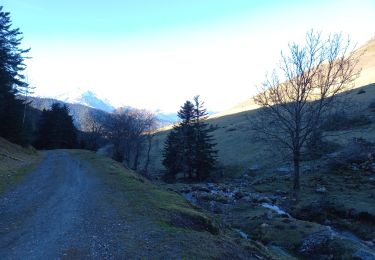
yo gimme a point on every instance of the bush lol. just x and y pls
(361, 92)
(340, 121)
(356, 151)
(317, 147)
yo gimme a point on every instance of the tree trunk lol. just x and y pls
(145, 169)
(296, 159)
(136, 159)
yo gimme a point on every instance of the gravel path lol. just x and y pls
(58, 212)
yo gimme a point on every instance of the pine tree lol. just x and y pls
(12, 125)
(56, 129)
(172, 155)
(189, 147)
(186, 135)
(204, 153)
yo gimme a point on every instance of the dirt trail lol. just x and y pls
(58, 212)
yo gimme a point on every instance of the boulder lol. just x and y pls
(315, 243)
(321, 190)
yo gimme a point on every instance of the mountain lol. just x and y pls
(90, 99)
(82, 114)
(86, 98)
(366, 77)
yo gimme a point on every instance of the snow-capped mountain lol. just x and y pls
(87, 98)
(91, 99)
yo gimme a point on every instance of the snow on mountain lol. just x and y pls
(91, 99)
(87, 98)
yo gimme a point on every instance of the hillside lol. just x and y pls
(81, 114)
(332, 217)
(367, 76)
(239, 148)
(15, 161)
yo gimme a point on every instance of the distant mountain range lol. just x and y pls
(86, 98)
(84, 104)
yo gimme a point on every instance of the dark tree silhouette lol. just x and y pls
(205, 154)
(12, 123)
(189, 147)
(56, 129)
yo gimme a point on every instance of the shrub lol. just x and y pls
(361, 92)
(356, 151)
(317, 147)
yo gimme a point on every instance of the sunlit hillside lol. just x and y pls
(238, 146)
(367, 76)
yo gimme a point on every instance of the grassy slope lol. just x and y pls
(15, 162)
(167, 221)
(238, 148)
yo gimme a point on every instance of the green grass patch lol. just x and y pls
(143, 198)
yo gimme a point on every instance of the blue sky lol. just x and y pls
(156, 54)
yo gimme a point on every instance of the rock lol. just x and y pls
(321, 190)
(355, 167)
(200, 188)
(284, 170)
(254, 168)
(238, 195)
(306, 168)
(264, 200)
(316, 242)
(264, 225)
(362, 254)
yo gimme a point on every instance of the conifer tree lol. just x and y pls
(204, 153)
(172, 155)
(12, 125)
(56, 129)
(189, 147)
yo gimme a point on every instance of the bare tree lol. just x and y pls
(94, 131)
(128, 130)
(302, 90)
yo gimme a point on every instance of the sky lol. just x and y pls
(156, 54)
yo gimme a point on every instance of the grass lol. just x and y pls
(145, 198)
(239, 149)
(15, 163)
(170, 220)
(347, 204)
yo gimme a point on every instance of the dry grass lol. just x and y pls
(15, 162)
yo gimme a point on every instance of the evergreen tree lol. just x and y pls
(56, 129)
(189, 147)
(186, 136)
(204, 153)
(12, 123)
(172, 155)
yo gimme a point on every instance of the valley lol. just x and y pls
(146, 170)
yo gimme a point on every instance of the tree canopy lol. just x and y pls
(12, 56)
(189, 147)
(56, 129)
